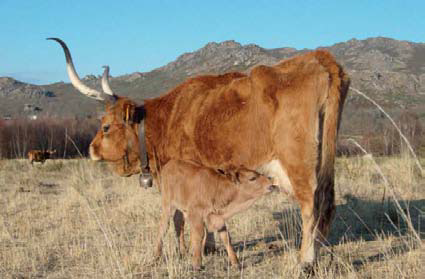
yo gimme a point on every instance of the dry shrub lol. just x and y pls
(18, 136)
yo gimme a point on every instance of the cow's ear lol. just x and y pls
(133, 114)
(237, 177)
(128, 112)
(139, 114)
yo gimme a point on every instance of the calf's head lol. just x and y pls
(251, 182)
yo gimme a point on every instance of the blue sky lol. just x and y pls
(133, 36)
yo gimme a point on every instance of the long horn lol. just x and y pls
(105, 82)
(75, 80)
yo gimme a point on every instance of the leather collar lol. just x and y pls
(145, 178)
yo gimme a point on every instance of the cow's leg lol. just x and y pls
(225, 237)
(163, 227)
(179, 228)
(309, 247)
(301, 171)
(196, 238)
(204, 241)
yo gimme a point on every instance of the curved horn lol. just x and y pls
(105, 81)
(75, 80)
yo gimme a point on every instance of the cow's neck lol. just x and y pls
(144, 162)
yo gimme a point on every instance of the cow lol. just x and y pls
(207, 197)
(281, 120)
(40, 156)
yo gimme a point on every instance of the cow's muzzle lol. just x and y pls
(93, 154)
(273, 188)
(145, 180)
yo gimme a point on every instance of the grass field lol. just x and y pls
(74, 219)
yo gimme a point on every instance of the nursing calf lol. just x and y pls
(207, 198)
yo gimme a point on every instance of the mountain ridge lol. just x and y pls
(391, 71)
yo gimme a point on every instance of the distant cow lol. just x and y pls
(206, 196)
(40, 156)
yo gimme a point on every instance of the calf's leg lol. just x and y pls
(163, 227)
(179, 228)
(216, 222)
(209, 245)
(225, 237)
(196, 238)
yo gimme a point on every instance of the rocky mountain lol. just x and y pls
(16, 89)
(391, 71)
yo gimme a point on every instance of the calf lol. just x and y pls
(40, 156)
(207, 198)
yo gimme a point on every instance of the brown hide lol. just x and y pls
(230, 119)
(288, 113)
(187, 186)
(40, 156)
(206, 196)
(237, 119)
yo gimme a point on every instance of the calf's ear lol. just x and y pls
(234, 176)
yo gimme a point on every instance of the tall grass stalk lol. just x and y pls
(391, 190)
(409, 146)
(109, 241)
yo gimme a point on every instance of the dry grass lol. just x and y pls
(73, 219)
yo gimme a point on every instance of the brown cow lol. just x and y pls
(280, 120)
(207, 197)
(40, 156)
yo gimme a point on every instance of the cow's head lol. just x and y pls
(117, 139)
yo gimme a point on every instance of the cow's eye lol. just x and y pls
(106, 128)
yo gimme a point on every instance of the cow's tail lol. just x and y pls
(329, 121)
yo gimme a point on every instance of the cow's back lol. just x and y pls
(201, 124)
(35, 155)
(237, 119)
(45, 155)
